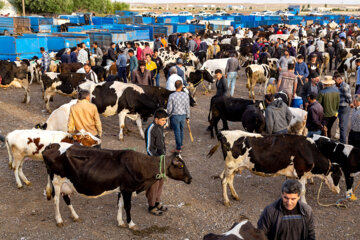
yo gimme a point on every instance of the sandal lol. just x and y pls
(155, 211)
(162, 208)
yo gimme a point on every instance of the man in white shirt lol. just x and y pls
(83, 56)
(170, 83)
(320, 45)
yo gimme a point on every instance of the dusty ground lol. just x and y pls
(194, 210)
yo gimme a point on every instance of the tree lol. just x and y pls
(250, 7)
(2, 4)
(325, 5)
(308, 5)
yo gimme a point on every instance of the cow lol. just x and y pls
(258, 74)
(167, 56)
(298, 122)
(347, 67)
(32, 142)
(273, 155)
(61, 83)
(97, 172)
(212, 65)
(232, 109)
(253, 119)
(15, 74)
(58, 119)
(198, 77)
(242, 230)
(126, 100)
(70, 67)
(54, 65)
(100, 72)
(345, 155)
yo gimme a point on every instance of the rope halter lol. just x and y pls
(161, 175)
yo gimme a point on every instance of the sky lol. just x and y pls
(349, 2)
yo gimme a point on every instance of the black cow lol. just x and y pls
(201, 55)
(345, 155)
(100, 72)
(242, 230)
(253, 119)
(355, 52)
(60, 83)
(273, 155)
(96, 172)
(70, 67)
(246, 46)
(230, 109)
(15, 74)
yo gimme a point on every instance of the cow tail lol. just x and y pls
(210, 109)
(50, 192)
(213, 150)
(9, 153)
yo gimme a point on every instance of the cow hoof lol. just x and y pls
(48, 196)
(123, 225)
(236, 198)
(227, 204)
(20, 186)
(28, 183)
(60, 225)
(77, 219)
(134, 228)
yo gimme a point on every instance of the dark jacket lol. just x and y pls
(315, 117)
(158, 62)
(141, 78)
(221, 87)
(234, 41)
(182, 44)
(65, 58)
(277, 116)
(111, 54)
(73, 57)
(272, 215)
(155, 140)
(331, 51)
(292, 51)
(302, 50)
(307, 90)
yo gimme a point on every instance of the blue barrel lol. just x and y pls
(297, 102)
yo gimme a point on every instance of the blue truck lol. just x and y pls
(13, 25)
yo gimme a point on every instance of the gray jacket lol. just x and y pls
(98, 52)
(277, 116)
(270, 220)
(232, 65)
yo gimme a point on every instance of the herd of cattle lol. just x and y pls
(73, 167)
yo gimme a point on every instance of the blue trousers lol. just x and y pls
(231, 79)
(344, 113)
(312, 133)
(284, 131)
(121, 71)
(157, 79)
(177, 124)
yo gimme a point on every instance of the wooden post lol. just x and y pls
(23, 7)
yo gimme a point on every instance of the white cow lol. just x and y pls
(298, 122)
(213, 64)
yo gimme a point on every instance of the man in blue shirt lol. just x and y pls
(302, 73)
(121, 66)
(65, 57)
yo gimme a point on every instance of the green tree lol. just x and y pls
(217, 9)
(250, 8)
(325, 5)
(2, 4)
(308, 6)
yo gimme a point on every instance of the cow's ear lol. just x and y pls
(177, 162)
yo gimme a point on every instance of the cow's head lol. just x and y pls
(42, 126)
(83, 138)
(272, 64)
(177, 169)
(332, 179)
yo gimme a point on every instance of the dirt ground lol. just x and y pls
(194, 210)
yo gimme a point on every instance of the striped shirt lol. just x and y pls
(46, 60)
(355, 120)
(178, 104)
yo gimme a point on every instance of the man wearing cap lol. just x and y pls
(312, 86)
(288, 82)
(302, 73)
(65, 58)
(354, 135)
(314, 121)
(344, 105)
(121, 66)
(284, 61)
(231, 69)
(329, 98)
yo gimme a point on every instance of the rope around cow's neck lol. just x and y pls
(162, 174)
(201, 80)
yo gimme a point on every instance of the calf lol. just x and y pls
(298, 122)
(97, 172)
(64, 84)
(347, 67)
(273, 155)
(345, 155)
(242, 230)
(31, 143)
(100, 72)
(198, 77)
(258, 74)
(232, 109)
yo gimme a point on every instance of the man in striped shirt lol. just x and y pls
(155, 146)
(45, 60)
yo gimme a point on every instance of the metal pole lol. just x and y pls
(23, 7)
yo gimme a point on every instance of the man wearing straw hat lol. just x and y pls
(329, 98)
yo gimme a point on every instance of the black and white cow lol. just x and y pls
(242, 230)
(167, 56)
(347, 67)
(345, 155)
(98, 172)
(60, 83)
(273, 155)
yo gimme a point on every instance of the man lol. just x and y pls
(178, 108)
(73, 55)
(288, 82)
(302, 49)
(180, 42)
(331, 51)
(147, 50)
(141, 76)
(338, 48)
(277, 115)
(157, 43)
(311, 48)
(344, 105)
(231, 69)
(315, 116)
(111, 56)
(65, 57)
(181, 70)
(284, 61)
(302, 73)
(198, 41)
(192, 46)
(133, 62)
(138, 52)
(288, 218)
(264, 56)
(221, 85)
(291, 49)
(234, 40)
(256, 46)
(84, 115)
(98, 54)
(45, 60)
(151, 66)
(163, 41)
(89, 73)
(349, 43)
(126, 50)
(354, 135)
(313, 66)
(312, 86)
(121, 66)
(357, 86)
(277, 51)
(320, 45)
(213, 50)
(83, 56)
(203, 45)
(329, 98)
(170, 83)
(159, 65)
(155, 146)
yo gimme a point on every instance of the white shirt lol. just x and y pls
(83, 56)
(170, 83)
(320, 44)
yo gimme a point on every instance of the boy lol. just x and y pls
(271, 87)
(155, 146)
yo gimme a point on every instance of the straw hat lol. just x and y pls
(328, 80)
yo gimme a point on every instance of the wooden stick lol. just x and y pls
(190, 133)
